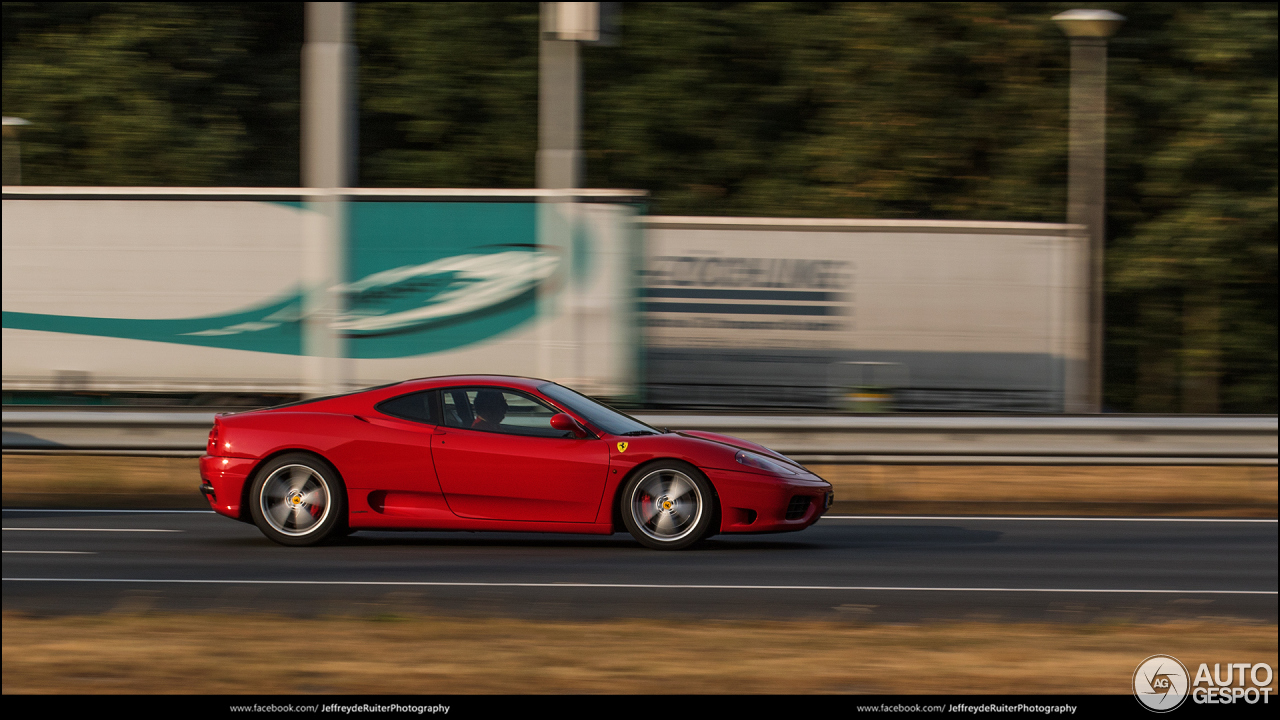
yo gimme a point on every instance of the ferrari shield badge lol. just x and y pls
(622, 447)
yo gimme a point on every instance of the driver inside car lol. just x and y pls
(490, 409)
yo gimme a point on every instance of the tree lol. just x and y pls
(1192, 213)
(449, 94)
(155, 93)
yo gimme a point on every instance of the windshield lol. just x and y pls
(598, 414)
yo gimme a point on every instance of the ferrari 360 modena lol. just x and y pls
(494, 453)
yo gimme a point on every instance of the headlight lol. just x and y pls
(760, 463)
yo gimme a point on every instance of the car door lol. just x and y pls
(511, 464)
(386, 463)
(402, 454)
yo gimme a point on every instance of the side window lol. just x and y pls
(457, 408)
(419, 407)
(498, 410)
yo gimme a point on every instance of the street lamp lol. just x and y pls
(12, 150)
(564, 26)
(1086, 168)
(328, 167)
(558, 166)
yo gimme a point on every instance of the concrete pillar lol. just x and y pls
(328, 161)
(559, 161)
(1086, 186)
(1086, 169)
(559, 167)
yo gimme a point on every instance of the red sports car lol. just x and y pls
(494, 453)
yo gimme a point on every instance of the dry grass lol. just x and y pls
(169, 653)
(89, 481)
(1222, 491)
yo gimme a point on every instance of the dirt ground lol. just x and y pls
(54, 481)
(217, 654)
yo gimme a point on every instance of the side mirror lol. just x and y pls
(562, 421)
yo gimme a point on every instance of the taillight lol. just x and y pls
(212, 447)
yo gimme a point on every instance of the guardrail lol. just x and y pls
(865, 439)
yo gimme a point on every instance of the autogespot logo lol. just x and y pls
(1160, 683)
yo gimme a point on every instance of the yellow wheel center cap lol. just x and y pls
(666, 504)
(296, 500)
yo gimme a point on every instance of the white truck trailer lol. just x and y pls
(250, 291)
(227, 291)
(865, 314)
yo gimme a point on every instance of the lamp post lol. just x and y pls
(564, 25)
(559, 167)
(12, 150)
(1088, 31)
(328, 166)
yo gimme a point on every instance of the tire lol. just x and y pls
(297, 499)
(668, 505)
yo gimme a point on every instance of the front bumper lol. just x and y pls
(755, 503)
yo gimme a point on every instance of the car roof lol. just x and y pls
(514, 381)
(357, 398)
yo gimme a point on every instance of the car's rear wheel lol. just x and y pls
(668, 505)
(297, 499)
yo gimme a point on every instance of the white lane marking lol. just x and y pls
(48, 552)
(1033, 517)
(90, 529)
(52, 510)
(642, 586)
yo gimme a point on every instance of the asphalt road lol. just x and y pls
(889, 569)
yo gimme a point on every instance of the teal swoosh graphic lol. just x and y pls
(276, 328)
(424, 311)
(272, 328)
(434, 277)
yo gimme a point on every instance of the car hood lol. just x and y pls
(738, 443)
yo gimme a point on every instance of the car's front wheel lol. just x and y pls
(297, 499)
(668, 505)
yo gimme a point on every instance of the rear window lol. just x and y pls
(419, 407)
